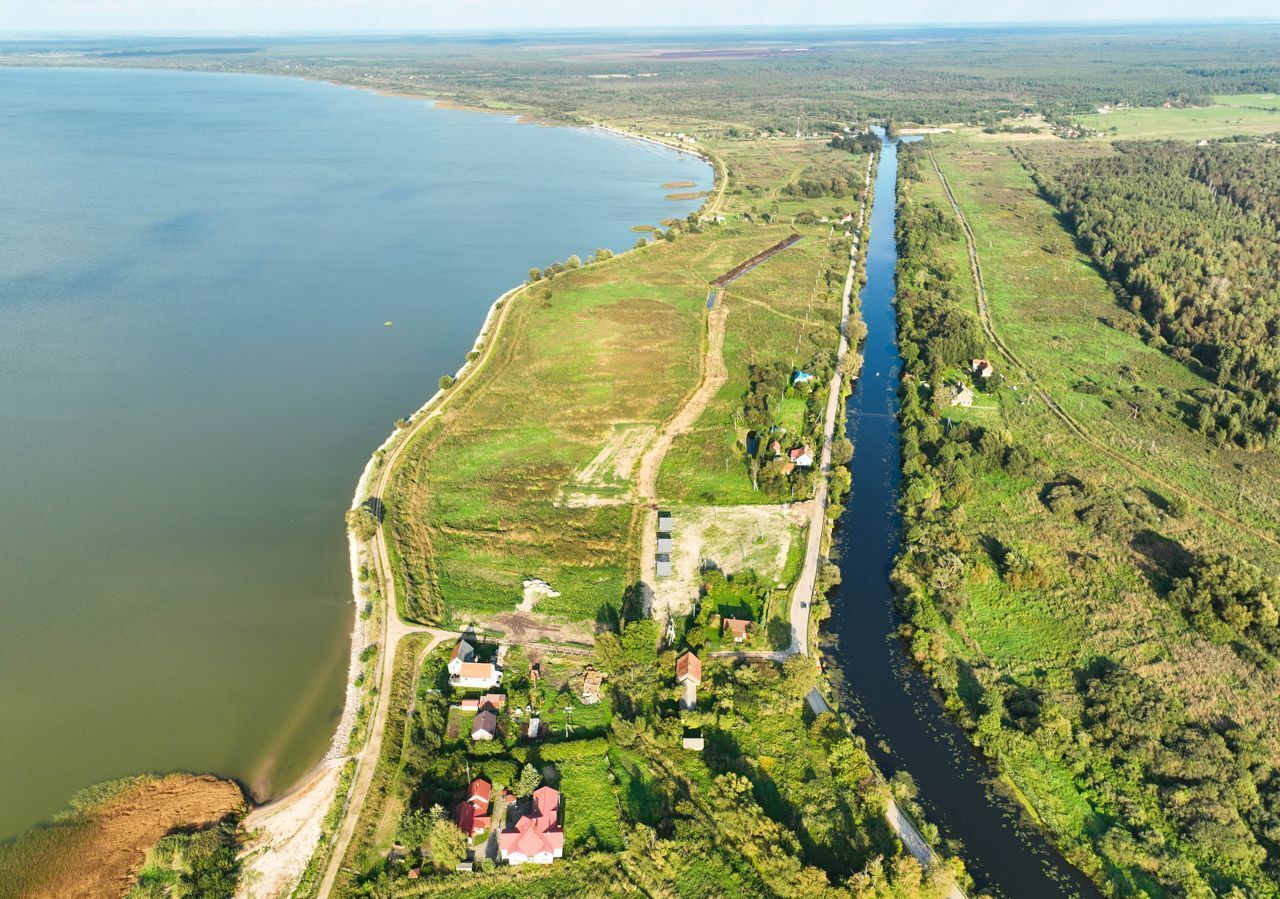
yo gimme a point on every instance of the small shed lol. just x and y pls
(664, 565)
(664, 543)
(693, 740)
(688, 668)
(664, 523)
(591, 681)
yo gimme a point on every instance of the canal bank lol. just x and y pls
(891, 701)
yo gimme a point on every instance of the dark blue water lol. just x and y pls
(894, 707)
(194, 275)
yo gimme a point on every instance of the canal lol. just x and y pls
(892, 702)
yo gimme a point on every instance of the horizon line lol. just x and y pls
(632, 29)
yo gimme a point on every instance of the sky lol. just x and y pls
(20, 17)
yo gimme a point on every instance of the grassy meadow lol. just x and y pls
(1231, 115)
(476, 504)
(787, 310)
(486, 495)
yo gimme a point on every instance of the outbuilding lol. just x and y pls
(485, 726)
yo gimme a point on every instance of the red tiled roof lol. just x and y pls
(469, 820)
(546, 801)
(480, 670)
(737, 626)
(689, 665)
(479, 791)
(536, 832)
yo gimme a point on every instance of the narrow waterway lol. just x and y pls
(893, 704)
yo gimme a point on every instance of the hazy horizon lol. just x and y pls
(202, 18)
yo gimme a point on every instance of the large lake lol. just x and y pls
(194, 275)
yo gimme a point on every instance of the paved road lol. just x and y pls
(803, 593)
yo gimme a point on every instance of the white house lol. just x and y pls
(802, 456)
(464, 671)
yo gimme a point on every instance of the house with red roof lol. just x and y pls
(738, 627)
(801, 456)
(472, 813)
(465, 671)
(689, 669)
(537, 836)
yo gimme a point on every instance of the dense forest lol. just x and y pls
(1190, 236)
(1179, 804)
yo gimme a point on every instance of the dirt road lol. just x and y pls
(714, 375)
(989, 328)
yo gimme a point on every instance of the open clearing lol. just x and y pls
(1190, 123)
(730, 538)
(612, 466)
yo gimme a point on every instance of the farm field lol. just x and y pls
(1091, 587)
(1252, 101)
(1235, 116)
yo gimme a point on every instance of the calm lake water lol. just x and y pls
(194, 275)
(892, 702)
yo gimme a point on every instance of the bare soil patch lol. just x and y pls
(617, 458)
(730, 538)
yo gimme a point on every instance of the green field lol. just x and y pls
(1189, 123)
(1252, 101)
(492, 492)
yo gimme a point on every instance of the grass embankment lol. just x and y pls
(386, 792)
(97, 847)
(1039, 561)
(527, 473)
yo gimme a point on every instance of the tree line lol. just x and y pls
(1191, 240)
